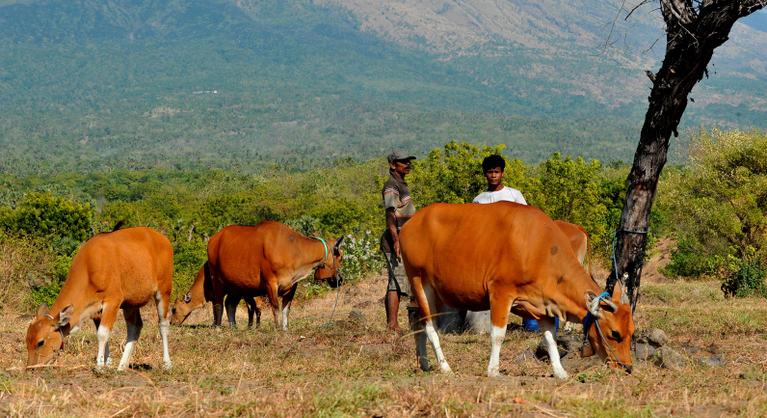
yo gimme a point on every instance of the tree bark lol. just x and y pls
(692, 36)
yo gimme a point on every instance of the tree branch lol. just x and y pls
(678, 11)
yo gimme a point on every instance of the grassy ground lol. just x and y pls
(351, 366)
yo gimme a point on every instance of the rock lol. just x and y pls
(656, 337)
(713, 361)
(357, 317)
(667, 358)
(643, 351)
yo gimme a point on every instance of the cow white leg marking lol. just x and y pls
(551, 346)
(134, 325)
(431, 333)
(497, 335)
(285, 310)
(103, 336)
(434, 339)
(164, 331)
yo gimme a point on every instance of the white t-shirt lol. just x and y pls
(506, 194)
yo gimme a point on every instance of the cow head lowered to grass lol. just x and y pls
(45, 336)
(609, 327)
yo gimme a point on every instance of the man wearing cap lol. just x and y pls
(399, 208)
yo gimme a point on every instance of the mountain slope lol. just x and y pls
(88, 84)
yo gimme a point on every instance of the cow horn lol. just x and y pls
(592, 303)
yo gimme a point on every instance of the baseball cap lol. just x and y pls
(399, 155)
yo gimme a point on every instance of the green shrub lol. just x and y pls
(747, 279)
(46, 215)
(717, 209)
(686, 261)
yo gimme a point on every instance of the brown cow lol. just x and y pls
(267, 259)
(579, 241)
(508, 257)
(122, 269)
(199, 294)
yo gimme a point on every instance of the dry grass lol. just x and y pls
(353, 367)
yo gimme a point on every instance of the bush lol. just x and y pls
(717, 208)
(362, 255)
(746, 280)
(686, 261)
(49, 216)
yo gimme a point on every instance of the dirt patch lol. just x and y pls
(660, 256)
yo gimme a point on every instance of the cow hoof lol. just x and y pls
(167, 365)
(493, 373)
(561, 374)
(445, 369)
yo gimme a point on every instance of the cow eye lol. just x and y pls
(40, 343)
(616, 336)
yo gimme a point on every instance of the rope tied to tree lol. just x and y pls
(610, 285)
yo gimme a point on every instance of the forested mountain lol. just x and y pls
(93, 84)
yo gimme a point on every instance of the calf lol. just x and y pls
(267, 259)
(199, 294)
(121, 269)
(508, 257)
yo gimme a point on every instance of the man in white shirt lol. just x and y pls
(493, 167)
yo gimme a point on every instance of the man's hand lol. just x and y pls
(397, 250)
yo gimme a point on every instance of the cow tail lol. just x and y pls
(207, 283)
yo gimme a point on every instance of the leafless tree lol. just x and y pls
(694, 29)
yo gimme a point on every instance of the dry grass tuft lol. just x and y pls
(350, 366)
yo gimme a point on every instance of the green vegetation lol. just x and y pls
(714, 208)
(717, 205)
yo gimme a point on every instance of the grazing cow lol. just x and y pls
(199, 294)
(479, 322)
(121, 269)
(508, 257)
(267, 259)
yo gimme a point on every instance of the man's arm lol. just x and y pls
(391, 226)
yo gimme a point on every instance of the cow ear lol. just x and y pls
(42, 310)
(337, 246)
(619, 295)
(65, 315)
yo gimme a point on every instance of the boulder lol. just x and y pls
(667, 358)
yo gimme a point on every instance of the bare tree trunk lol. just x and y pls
(692, 36)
